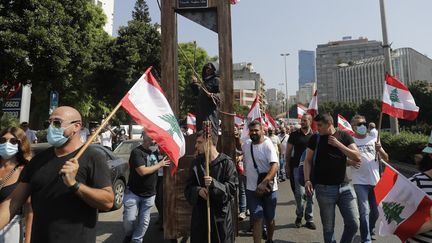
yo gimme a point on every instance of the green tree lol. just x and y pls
(240, 109)
(54, 45)
(141, 12)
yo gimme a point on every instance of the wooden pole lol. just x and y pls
(104, 123)
(207, 126)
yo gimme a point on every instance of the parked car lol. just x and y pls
(118, 166)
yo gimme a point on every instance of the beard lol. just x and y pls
(254, 138)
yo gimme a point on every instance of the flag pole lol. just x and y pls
(104, 123)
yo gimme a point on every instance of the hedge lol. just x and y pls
(404, 146)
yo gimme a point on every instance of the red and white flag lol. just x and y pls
(344, 125)
(403, 207)
(253, 114)
(270, 122)
(301, 110)
(398, 101)
(146, 104)
(313, 109)
(234, 1)
(190, 123)
(238, 120)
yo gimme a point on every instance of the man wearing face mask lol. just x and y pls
(66, 193)
(141, 192)
(365, 176)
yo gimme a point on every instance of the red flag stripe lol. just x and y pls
(399, 113)
(385, 184)
(162, 138)
(394, 82)
(410, 226)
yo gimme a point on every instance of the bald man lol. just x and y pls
(66, 193)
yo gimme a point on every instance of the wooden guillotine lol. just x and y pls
(216, 16)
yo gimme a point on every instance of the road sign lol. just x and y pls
(192, 4)
(12, 104)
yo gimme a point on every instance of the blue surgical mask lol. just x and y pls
(8, 150)
(55, 136)
(362, 130)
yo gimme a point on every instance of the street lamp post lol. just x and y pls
(286, 87)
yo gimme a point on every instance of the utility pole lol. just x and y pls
(394, 124)
(286, 87)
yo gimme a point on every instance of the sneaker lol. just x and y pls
(298, 222)
(242, 216)
(247, 212)
(310, 225)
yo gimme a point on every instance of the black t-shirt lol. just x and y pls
(59, 214)
(144, 186)
(330, 164)
(299, 140)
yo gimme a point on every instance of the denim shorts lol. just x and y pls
(262, 207)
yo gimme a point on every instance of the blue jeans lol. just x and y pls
(136, 215)
(282, 174)
(328, 196)
(368, 210)
(242, 193)
(302, 199)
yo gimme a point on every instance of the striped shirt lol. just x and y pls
(424, 182)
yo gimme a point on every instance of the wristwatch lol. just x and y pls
(75, 187)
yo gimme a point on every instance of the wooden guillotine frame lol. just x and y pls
(216, 16)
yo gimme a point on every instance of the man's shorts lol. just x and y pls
(262, 207)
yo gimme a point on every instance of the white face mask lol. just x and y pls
(362, 130)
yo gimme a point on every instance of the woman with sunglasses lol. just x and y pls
(14, 154)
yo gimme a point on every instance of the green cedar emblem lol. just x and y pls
(392, 211)
(174, 127)
(394, 98)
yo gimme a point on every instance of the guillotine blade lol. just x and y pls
(206, 17)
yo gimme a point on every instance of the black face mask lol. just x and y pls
(254, 138)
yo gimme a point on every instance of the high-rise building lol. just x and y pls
(364, 79)
(245, 78)
(336, 52)
(276, 99)
(108, 9)
(305, 93)
(306, 67)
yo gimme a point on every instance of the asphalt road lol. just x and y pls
(109, 228)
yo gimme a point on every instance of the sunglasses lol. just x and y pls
(57, 123)
(11, 140)
(362, 123)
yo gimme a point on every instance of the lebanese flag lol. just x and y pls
(398, 101)
(191, 121)
(403, 207)
(313, 110)
(146, 104)
(253, 114)
(270, 122)
(238, 120)
(301, 110)
(344, 125)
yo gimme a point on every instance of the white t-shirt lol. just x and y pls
(264, 154)
(284, 141)
(84, 134)
(368, 173)
(106, 139)
(276, 141)
(373, 133)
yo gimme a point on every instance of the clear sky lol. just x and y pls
(263, 29)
